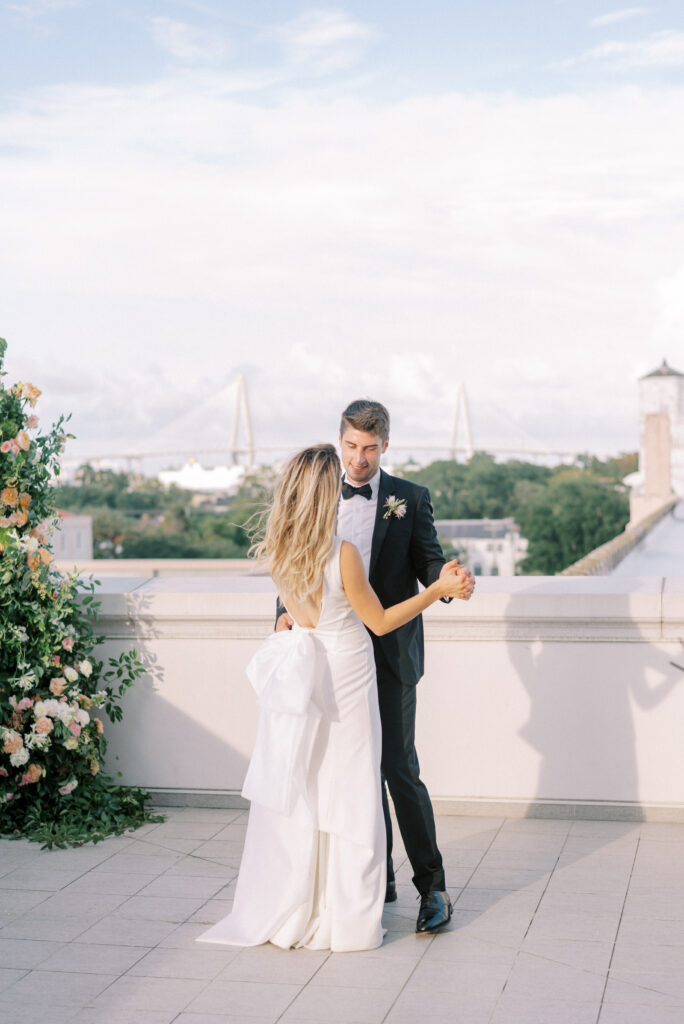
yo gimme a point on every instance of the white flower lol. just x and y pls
(32, 544)
(82, 717)
(71, 674)
(68, 788)
(395, 507)
(21, 757)
(71, 743)
(98, 698)
(86, 668)
(27, 681)
(48, 708)
(37, 741)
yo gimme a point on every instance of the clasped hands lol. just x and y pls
(464, 584)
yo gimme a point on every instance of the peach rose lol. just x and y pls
(58, 686)
(94, 767)
(31, 392)
(24, 499)
(5, 521)
(42, 532)
(32, 422)
(23, 440)
(43, 726)
(99, 726)
(33, 560)
(13, 743)
(19, 518)
(33, 774)
(9, 496)
(45, 556)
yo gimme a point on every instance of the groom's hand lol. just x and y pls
(455, 567)
(285, 621)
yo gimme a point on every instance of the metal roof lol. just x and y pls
(663, 371)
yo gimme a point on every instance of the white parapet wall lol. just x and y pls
(541, 696)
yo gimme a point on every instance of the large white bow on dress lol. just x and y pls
(282, 672)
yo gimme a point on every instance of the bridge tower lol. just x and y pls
(461, 405)
(242, 412)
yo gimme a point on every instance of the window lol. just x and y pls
(477, 569)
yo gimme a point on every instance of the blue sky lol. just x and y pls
(339, 200)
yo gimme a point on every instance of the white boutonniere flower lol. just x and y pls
(395, 507)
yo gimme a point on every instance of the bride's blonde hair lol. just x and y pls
(300, 529)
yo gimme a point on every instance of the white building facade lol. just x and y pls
(489, 547)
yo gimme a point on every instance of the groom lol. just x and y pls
(399, 547)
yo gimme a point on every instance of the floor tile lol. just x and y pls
(339, 1005)
(181, 963)
(250, 999)
(128, 993)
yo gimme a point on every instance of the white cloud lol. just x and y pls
(614, 17)
(323, 39)
(659, 50)
(187, 43)
(336, 247)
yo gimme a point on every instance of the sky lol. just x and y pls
(376, 199)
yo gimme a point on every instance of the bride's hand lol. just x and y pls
(457, 583)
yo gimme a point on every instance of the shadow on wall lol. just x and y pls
(585, 732)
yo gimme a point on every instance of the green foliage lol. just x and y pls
(564, 512)
(566, 520)
(479, 489)
(52, 787)
(141, 518)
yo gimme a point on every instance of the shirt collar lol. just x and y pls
(374, 484)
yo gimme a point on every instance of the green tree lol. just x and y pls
(567, 519)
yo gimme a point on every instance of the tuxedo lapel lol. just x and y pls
(381, 524)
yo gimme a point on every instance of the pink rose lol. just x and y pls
(25, 703)
(5, 447)
(3, 773)
(75, 729)
(32, 422)
(68, 643)
(68, 788)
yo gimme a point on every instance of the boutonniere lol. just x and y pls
(395, 507)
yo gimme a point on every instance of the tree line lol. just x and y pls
(564, 511)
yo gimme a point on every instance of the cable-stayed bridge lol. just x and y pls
(243, 449)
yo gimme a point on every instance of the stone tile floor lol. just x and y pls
(555, 922)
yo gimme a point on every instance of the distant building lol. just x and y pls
(74, 537)
(489, 547)
(194, 477)
(661, 441)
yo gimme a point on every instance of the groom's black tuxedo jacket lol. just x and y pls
(403, 552)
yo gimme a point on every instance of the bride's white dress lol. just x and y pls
(313, 866)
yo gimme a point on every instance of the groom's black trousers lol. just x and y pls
(401, 771)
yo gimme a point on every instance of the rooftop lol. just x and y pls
(663, 371)
(555, 921)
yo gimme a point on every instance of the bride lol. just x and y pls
(314, 861)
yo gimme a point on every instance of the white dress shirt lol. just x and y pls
(356, 520)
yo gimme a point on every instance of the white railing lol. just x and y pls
(546, 696)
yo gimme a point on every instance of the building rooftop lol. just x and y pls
(663, 371)
(566, 921)
(475, 528)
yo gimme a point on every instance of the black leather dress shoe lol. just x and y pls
(391, 892)
(435, 911)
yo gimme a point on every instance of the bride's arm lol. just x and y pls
(365, 603)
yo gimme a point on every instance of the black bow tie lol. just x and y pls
(348, 491)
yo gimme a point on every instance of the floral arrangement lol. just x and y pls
(395, 507)
(52, 688)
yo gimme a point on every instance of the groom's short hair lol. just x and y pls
(371, 417)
